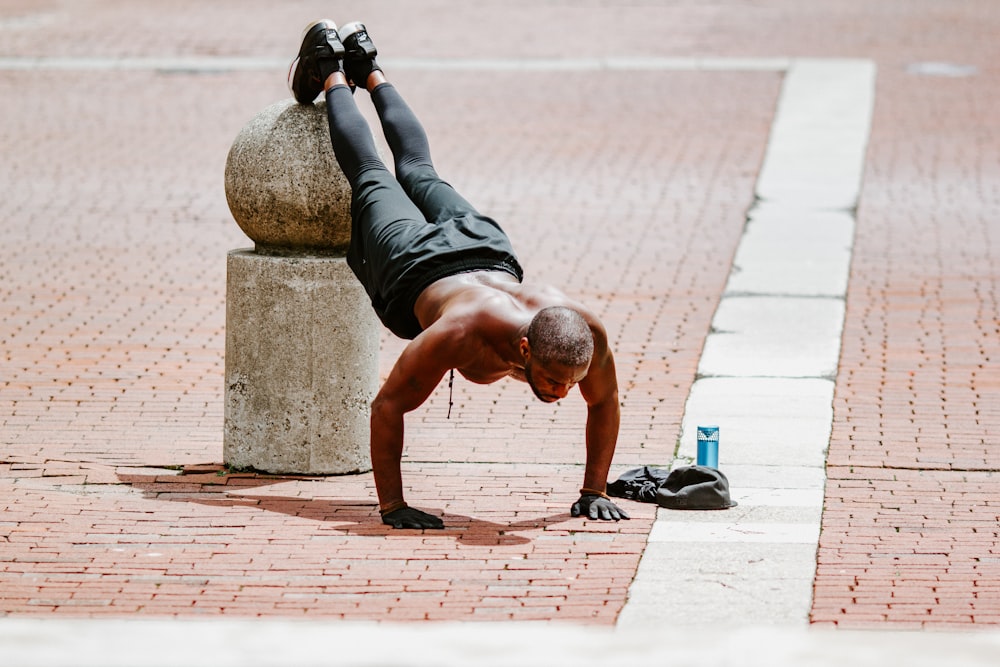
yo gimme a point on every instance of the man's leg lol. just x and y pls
(384, 219)
(405, 135)
(319, 68)
(382, 214)
(349, 132)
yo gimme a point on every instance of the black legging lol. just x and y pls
(352, 140)
(356, 153)
(394, 252)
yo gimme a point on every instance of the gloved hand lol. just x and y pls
(410, 517)
(598, 507)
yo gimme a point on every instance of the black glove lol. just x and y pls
(410, 517)
(597, 507)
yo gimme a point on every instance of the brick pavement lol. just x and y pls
(113, 312)
(114, 499)
(912, 524)
(910, 530)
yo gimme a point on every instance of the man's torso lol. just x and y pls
(487, 312)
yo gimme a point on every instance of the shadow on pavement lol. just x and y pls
(212, 485)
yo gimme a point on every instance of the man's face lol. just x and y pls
(553, 381)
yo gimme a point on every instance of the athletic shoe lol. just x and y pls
(359, 60)
(319, 57)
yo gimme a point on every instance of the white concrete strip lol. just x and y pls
(784, 476)
(793, 252)
(730, 602)
(671, 641)
(771, 497)
(594, 64)
(772, 421)
(767, 373)
(209, 64)
(763, 336)
(719, 585)
(770, 533)
(202, 64)
(815, 157)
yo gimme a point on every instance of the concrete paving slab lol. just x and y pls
(790, 441)
(771, 497)
(776, 421)
(774, 477)
(713, 585)
(825, 110)
(728, 602)
(754, 642)
(743, 514)
(793, 252)
(734, 531)
(694, 559)
(780, 213)
(781, 517)
(773, 337)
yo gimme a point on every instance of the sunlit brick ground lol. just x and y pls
(629, 189)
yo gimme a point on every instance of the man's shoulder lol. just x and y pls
(481, 310)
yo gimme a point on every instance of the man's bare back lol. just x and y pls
(491, 311)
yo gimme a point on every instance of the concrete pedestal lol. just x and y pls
(301, 365)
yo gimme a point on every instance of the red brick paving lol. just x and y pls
(215, 543)
(911, 527)
(911, 532)
(909, 548)
(112, 310)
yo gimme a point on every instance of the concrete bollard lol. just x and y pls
(284, 186)
(301, 338)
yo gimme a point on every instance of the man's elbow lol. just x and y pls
(386, 410)
(606, 403)
(380, 408)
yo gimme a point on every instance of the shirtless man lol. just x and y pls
(445, 277)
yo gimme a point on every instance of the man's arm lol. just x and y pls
(600, 391)
(416, 373)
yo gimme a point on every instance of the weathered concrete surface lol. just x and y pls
(301, 365)
(283, 184)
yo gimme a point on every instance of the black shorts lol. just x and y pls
(396, 253)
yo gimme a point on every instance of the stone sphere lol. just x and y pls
(284, 186)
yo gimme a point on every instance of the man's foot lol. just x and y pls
(359, 61)
(411, 517)
(319, 57)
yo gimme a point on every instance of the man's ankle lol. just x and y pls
(375, 79)
(336, 78)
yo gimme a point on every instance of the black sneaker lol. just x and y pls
(318, 58)
(359, 60)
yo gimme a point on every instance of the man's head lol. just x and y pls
(557, 350)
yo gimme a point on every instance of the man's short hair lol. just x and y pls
(560, 334)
